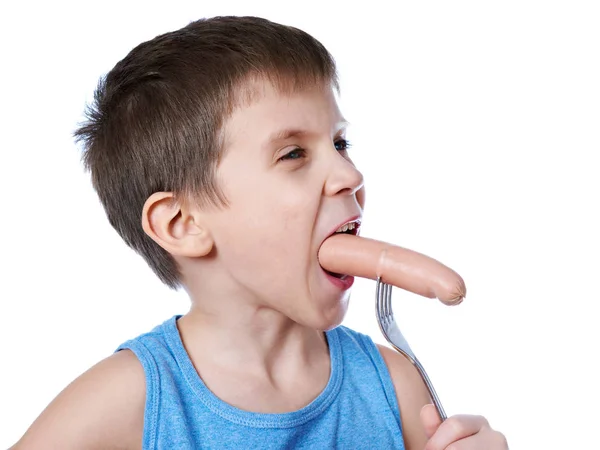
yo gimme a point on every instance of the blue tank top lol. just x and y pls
(356, 410)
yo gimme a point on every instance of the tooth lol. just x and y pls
(346, 227)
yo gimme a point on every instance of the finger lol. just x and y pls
(430, 419)
(454, 429)
(468, 443)
(488, 440)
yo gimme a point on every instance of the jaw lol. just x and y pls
(332, 315)
(329, 304)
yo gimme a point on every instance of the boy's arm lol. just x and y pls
(412, 395)
(102, 409)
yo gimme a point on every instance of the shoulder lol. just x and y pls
(102, 408)
(412, 395)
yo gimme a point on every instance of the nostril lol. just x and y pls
(346, 191)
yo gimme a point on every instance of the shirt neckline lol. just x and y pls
(253, 419)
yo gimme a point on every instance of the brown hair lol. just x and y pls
(156, 120)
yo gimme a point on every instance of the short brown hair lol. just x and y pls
(156, 120)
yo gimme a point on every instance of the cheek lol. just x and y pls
(276, 240)
(270, 221)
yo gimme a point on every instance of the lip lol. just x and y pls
(344, 284)
(357, 217)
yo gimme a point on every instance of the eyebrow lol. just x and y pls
(285, 134)
(288, 133)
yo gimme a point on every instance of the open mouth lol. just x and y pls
(335, 275)
(351, 228)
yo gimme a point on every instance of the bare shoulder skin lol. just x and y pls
(412, 395)
(101, 409)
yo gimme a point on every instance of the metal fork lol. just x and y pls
(390, 330)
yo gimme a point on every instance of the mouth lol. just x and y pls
(350, 226)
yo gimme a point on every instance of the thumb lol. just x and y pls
(430, 419)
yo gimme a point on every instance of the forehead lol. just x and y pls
(267, 113)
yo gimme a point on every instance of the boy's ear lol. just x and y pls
(177, 231)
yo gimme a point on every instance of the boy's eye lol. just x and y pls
(342, 145)
(297, 153)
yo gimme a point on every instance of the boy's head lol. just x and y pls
(218, 153)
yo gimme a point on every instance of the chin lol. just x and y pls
(328, 319)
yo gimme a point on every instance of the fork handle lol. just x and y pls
(415, 362)
(434, 396)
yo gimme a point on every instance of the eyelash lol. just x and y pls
(343, 142)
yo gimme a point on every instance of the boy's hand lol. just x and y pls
(460, 432)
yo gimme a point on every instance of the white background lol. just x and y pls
(476, 125)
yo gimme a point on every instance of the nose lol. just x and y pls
(343, 178)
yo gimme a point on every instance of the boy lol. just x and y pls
(219, 155)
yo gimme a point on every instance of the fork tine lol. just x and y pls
(377, 288)
(382, 301)
(388, 302)
(378, 299)
(383, 293)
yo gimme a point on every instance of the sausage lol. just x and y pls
(403, 268)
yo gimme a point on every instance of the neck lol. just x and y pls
(253, 338)
(229, 329)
